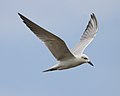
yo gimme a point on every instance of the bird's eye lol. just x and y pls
(85, 58)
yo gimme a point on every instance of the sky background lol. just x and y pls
(23, 56)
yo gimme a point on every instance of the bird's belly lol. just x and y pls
(69, 64)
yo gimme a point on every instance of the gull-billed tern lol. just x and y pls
(65, 58)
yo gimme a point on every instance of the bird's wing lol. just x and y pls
(88, 36)
(56, 45)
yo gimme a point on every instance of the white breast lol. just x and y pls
(69, 63)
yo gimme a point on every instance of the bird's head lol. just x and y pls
(86, 59)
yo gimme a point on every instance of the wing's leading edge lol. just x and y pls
(56, 45)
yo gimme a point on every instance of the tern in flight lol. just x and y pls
(65, 58)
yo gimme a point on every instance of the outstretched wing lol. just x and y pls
(88, 36)
(56, 45)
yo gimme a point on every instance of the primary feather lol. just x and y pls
(87, 37)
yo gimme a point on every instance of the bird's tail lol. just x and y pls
(51, 69)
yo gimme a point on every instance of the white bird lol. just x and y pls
(65, 58)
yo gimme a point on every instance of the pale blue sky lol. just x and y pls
(23, 57)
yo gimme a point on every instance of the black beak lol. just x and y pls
(90, 63)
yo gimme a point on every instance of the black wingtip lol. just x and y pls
(92, 15)
(19, 14)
